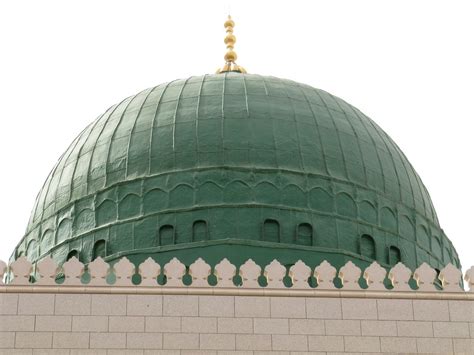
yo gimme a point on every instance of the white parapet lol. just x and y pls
(274, 276)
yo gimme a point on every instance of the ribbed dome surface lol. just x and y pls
(235, 156)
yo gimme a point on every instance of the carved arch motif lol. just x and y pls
(166, 235)
(32, 250)
(304, 234)
(106, 212)
(47, 241)
(155, 200)
(321, 200)
(367, 247)
(200, 231)
(129, 206)
(99, 249)
(388, 219)
(64, 230)
(271, 230)
(181, 195)
(368, 212)
(84, 221)
(394, 255)
(345, 205)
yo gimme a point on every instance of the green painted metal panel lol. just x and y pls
(237, 166)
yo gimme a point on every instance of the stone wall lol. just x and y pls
(140, 323)
(98, 309)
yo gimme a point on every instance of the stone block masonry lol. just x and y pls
(148, 322)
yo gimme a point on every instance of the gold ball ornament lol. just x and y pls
(230, 56)
(229, 23)
(230, 39)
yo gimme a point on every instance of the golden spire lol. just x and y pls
(230, 57)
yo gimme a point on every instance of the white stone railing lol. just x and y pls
(47, 273)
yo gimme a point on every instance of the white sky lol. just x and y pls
(409, 65)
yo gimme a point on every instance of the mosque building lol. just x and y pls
(249, 181)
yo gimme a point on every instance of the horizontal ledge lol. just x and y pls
(223, 291)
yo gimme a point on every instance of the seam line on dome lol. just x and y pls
(152, 128)
(196, 125)
(132, 131)
(48, 182)
(112, 138)
(344, 160)
(301, 164)
(317, 129)
(273, 129)
(246, 96)
(105, 117)
(407, 174)
(376, 130)
(56, 166)
(221, 142)
(178, 101)
(358, 140)
(71, 183)
(64, 159)
(93, 149)
(78, 145)
(374, 146)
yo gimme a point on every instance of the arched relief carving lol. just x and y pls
(367, 247)
(85, 220)
(129, 206)
(407, 228)
(238, 192)
(73, 253)
(321, 200)
(345, 205)
(292, 195)
(387, 219)
(200, 231)
(182, 195)
(268, 193)
(155, 200)
(47, 241)
(106, 212)
(209, 193)
(304, 234)
(394, 255)
(64, 230)
(99, 249)
(368, 212)
(32, 250)
(166, 235)
(271, 231)
(422, 237)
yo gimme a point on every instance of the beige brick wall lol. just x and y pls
(50, 323)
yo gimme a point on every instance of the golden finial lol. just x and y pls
(230, 57)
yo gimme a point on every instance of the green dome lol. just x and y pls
(237, 166)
